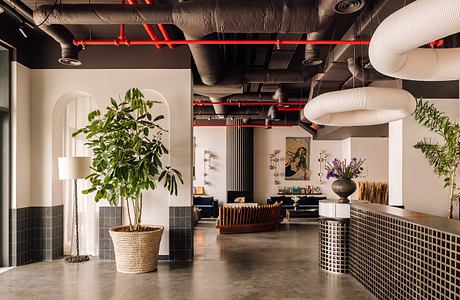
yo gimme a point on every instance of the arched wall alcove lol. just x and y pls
(69, 114)
(51, 88)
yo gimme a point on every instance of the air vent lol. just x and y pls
(349, 6)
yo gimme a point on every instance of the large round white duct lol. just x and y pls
(394, 48)
(360, 107)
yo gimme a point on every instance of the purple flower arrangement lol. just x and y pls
(340, 169)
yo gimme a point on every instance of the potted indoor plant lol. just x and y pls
(344, 172)
(127, 147)
(444, 156)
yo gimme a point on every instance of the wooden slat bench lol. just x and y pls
(247, 219)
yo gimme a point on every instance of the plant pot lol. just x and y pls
(344, 188)
(136, 252)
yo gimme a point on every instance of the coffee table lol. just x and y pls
(302, 213)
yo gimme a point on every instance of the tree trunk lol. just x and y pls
(452, 190)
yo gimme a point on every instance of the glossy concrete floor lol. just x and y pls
(272, 265)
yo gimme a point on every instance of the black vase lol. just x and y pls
(344, 188)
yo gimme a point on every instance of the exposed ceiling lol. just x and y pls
(258, 73)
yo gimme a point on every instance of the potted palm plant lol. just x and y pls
(127, 147)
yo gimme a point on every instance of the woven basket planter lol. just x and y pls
(136, 252)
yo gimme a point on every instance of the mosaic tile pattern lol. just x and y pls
(397, 259)
(37, 233)
(334, 245)
(108, 217)
(180, 233)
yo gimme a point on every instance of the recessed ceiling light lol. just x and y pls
(70, 61)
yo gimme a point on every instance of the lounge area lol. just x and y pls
(216, 149)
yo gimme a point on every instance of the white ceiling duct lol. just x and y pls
(360, 107)
(394, 48)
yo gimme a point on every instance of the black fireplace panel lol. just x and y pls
(232, 195)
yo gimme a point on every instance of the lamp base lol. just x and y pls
(73, 259)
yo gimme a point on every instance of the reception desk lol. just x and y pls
(400, 254)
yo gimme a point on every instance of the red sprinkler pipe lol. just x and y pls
(219, 42)
(244, 103)
(162, 28)
(148, 28)
(242, 125)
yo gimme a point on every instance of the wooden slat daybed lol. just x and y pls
(248, 218)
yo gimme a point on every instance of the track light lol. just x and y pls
(22, 31)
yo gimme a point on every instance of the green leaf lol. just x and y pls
(114, 103)
(158, 118)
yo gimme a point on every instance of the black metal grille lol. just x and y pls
(334, 245)
(397, 259)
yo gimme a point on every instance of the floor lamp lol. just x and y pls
(74, 168)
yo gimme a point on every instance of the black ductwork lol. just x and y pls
(69, 52)
(198, 19)
(275, 76)
(357, 69)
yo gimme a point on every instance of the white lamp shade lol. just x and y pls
(74, 167)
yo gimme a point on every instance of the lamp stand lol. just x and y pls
(76, 258)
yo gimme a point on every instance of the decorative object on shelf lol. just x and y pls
(303, 191)
(207, 165)
(120, 175)
(322, 164)
(344, 172)
(297, 161)
(74, 168)
(296, 202)
(444, 156)
(281, 190)
(396, 51)
(274, 165)
(296, 190)
(360, 106)
(198, 190)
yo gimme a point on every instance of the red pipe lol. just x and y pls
(242, 125)
(148, 28)
(265, 103)
(163, 30)
(220, 42)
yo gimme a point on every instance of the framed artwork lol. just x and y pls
(297, 161)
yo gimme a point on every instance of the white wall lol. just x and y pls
(212, 139)
(422, 190)
(48, 87)
(20, 136)
(374, 150)
(266, 141)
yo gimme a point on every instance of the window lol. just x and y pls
(4, 151)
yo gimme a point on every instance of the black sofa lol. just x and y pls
(208, 205)
(304, 202)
